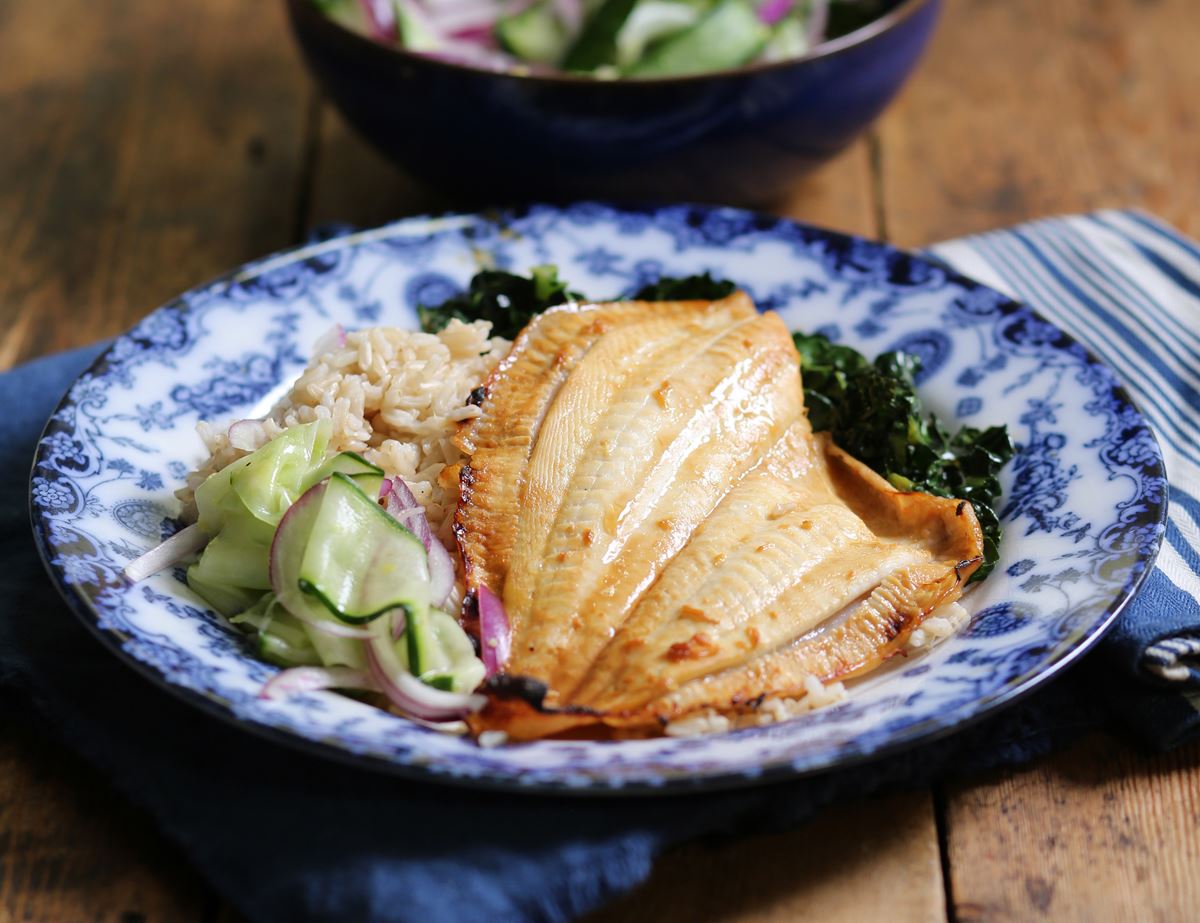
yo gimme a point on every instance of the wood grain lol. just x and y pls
(873, 860)
(147, 147)
(70, 851)
(839, 195)
(1025, 108)
(354, 184)
(1098, 832)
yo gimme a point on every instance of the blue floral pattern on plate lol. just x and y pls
(1083, 507)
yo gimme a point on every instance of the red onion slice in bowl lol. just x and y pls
(471, 15)
(380, 16)
(771, 11)
(571, 15)
(818, 20)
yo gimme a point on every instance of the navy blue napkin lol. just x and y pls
(290, 837)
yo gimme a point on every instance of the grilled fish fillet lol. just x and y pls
(668, 536)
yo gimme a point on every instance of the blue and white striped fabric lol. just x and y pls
(1128, 287)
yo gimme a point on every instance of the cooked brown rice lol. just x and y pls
(394, 396)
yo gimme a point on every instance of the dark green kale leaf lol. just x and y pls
(873, 412)
(507, 300)
(685, 288)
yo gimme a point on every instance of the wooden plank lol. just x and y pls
(1027, 108)
(1099, 832)
(69, 850)
(147, 148)
(354, 184)
(1022, 109)
(875, 859)
(839, 195)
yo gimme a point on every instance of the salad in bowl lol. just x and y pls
(605, 38)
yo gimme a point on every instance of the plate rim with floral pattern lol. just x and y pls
(103, 470)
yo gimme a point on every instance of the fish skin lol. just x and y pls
(657, 560)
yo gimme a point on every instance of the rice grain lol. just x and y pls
(394, 396)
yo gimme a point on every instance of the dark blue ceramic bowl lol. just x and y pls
(741, 136)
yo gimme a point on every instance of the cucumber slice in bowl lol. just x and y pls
(597, 44)
(337, 554)
(728, 35)
(652, 21)
(535, 34)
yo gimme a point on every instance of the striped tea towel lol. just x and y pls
(1128, 287)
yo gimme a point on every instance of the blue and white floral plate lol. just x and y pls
(1083, 505)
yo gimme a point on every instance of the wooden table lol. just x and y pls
(147, 146)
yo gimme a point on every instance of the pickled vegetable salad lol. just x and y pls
(605, 38)
(334, 570)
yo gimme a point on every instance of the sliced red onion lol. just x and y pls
(471, 14)
(463, 32)
(495, 632)
(571, 15)
(408, 693)
(245, 435)
(442, 727)
(475, 35)
(182, 544)
(312, 679)
(818, 21)
(334, 336)
(441, 573)
(400, 501)
(403, 507)
(380, 16)
(475, 56)
(771, 11)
